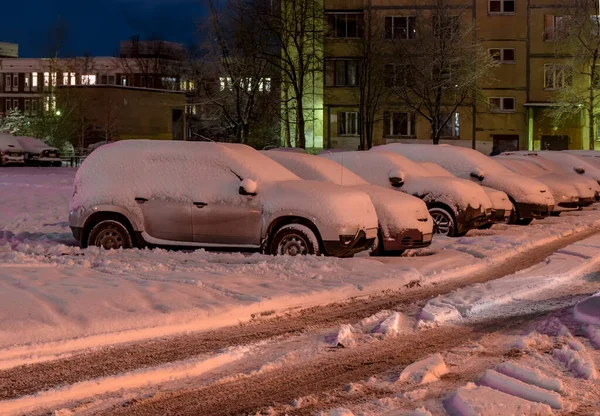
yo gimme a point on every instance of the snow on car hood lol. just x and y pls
(499, 199)
(397, 211)
(521, 188)
(560, 187)
(327, 204)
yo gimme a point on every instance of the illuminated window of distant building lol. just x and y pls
(88, 79)
(34, 80)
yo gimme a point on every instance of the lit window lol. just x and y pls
(34, 80)
(348, 123)
(46, 103)
(27, 82)
(226, 83)
(88, 79)
(399, 124)
(265, 85)
(73, 78)
(53, 103)
(65, 78)
(46, 79)
(502, 104)
(124, 81)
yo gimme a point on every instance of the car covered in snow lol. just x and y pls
(501, 206)
(567, 196)
(213, 195)
(531, 198)
(576, 173)
(455, 205)
(11, 152)
(38, 153)
(568, 162)
(404, 221)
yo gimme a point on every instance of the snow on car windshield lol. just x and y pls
(522, 167)
(8, 142)
(370, 165)
(316, 168)
(435, 170)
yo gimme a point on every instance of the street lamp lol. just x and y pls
(58, 113)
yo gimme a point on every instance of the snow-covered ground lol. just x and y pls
(57, 302)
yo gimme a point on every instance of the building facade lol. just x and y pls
(510, 115)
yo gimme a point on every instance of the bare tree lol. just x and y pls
(576, 76)
(372, 75)
(288, 34)
(437, 62)
(236, 80)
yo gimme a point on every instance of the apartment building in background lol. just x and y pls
(140, 94)
(517, 33)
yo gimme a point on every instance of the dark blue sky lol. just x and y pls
(96, 27)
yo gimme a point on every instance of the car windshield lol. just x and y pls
(522, 167)
(316, 168)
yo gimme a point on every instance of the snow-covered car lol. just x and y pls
(576, 172)
(38, 153)
(568, 162)
(531, 198)
(455, 205)
(566, 196)
(288, 149)
(97, 145)
(501, 206)
(404, 221)
(11, 152)
(213, 195)
(589, 156)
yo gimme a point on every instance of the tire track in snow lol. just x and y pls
(30, 379)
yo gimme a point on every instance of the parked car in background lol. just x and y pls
(589, 156)
(213, 195)
(288, 149)
(11, 152)
(531, 198)
(576, 172)
(38, 153)
(566, 195)
(502, 208)
(404, 221)
(568, 163)
(456, 205)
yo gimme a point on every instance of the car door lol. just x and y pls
(223, 217)
(167, 219)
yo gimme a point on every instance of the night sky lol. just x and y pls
(96, 27)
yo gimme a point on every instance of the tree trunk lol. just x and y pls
(592, 118)
(300, 125)
(288, 129)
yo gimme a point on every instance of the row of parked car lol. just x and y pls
(285, 201)
(15, 150)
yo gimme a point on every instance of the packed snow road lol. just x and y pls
(151, 331)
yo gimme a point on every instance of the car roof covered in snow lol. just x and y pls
(30, 144)
(369, 164)
(311, 167)
(435, 170)
(9, 143)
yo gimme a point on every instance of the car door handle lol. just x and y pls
(200, 204)
(141, 200)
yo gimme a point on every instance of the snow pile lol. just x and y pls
(514, 387)
(464, 163)
(588, 310)
(376, 167)
(211, 173)
(425, 371)
(575, 358)
(396, 211)
(338, 412)
(381, 325)
(484, 401)
(530, 376)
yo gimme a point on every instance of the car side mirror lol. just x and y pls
(248, 187)
(580, 171)
(397, 178)
(478, 174)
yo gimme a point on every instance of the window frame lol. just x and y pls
(455, 122)
(563, 71)
(411, 124)
(16, 104)
(8, 82)
(8, 105)
(393, 27)
(360, 24)
(15, 84)
(502, 107)
(502, 11)
(550, 32)
(354, 130)
(27, 107)
(501, 59)
(332, 64)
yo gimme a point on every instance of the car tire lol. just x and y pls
(295, 240)
(524, 221)
(110, 235)
(443, 222)
(379, 250)
(555, 213)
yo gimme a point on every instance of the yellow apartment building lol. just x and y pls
(519, 89)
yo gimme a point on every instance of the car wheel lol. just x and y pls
(555, 213)
(110, 235)
(295, 240)
(443, 222)
(379, 250)
(524, 221)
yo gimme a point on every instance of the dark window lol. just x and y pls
(345, 25)
(400, 27)
(501, 6)
(348, 123)
(399, 124)
(341, 73)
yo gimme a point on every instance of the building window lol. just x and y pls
(34, 106)
(143, 81)
(8, 105)
(54, 79)
(16, 82)
(88, 80)
(446, 26)
(452, 127)
(34, 80)
(150, 81)
(27, 107)
(400, 27)
(8, 82)
(15, 104)
(265, 85)
(557, 77)
(225, 83)
(27, 82)
(553, 26)
(341, 73)
(345, 25)
(399, 124)
(46, 79)
(397, 75)
(502, 104)
(65, 78)
(123, 80)
(501, 6)
(73, 78)
(348, 123)
(503, 56)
